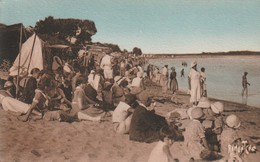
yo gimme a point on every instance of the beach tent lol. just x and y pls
(31, 56)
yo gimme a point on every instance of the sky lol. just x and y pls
(155, 26)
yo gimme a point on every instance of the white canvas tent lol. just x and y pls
(31, 56)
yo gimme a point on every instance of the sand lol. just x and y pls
(97, 142)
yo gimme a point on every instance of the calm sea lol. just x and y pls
(224, 76)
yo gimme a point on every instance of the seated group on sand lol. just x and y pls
(75, 93)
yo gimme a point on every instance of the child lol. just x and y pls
(228, 135)
(203, 82)
(233, 147)
(157, 75)
(244, 84)
(213, 124)
(161, 152)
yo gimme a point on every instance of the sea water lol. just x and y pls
(224, 76)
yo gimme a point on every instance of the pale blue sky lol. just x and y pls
(155, 26)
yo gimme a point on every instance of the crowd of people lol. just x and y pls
(115, 88)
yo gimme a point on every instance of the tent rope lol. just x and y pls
(20, 48)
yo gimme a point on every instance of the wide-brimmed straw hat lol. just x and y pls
(233, 121)
(217, 107)
(197, 113)
(204, 103)
(193, 63)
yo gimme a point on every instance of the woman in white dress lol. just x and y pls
(194, 84)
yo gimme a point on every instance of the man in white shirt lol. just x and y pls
(106, 65)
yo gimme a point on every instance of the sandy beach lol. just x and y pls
(39, 140)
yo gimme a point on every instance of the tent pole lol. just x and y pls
(31, 53)
(19, 64)
(25, 34)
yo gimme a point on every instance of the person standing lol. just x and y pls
(173, 81)
(244, 84)
(194, 84)
(164, 78)
(182, 72)
(203, 82)
(157, 75)
(106, 65)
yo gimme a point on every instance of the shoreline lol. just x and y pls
(222, 100)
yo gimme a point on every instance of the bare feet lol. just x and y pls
(22, 118)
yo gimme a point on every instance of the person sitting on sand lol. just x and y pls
(117, 90)
(67, 89)
(107, 96)
(57, 99)
(161, 152)
(145, 124)
(40, 103)
(8, 87)
(229, 134)
(30, 86)
(137, 85)
(11, 86)
(122, 114)
(81, 102)
(194, 137)
(214, 125)
(8, 103)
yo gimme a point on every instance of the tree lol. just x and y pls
(137, 51)
(59, 30)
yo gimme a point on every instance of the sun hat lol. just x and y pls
(193, 63)
(204, 102)
(197, 113)
(8, 84)
(217, 107)
(233, 121)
